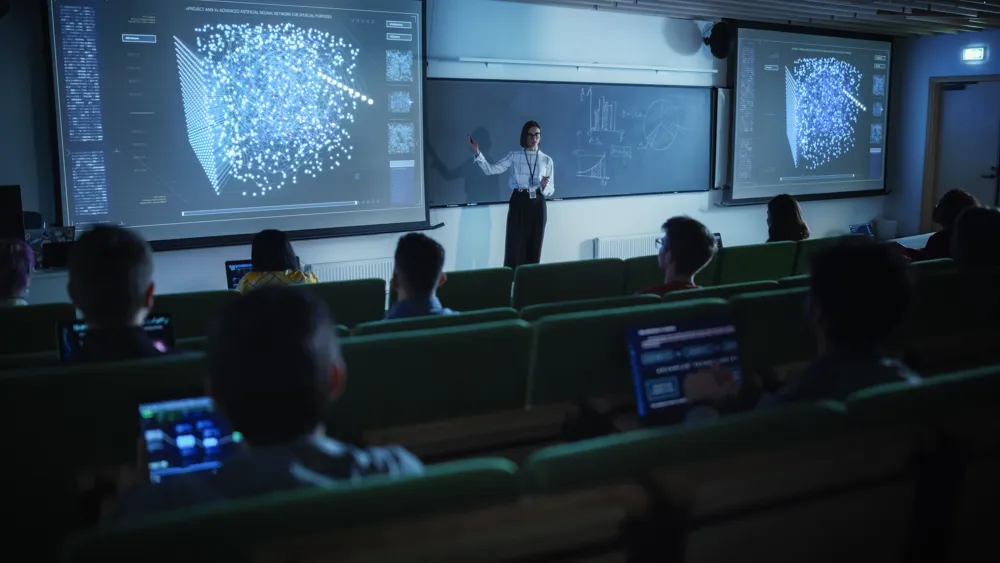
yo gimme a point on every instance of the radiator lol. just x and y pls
(624, 247)
(380, 268)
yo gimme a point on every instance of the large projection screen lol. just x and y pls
(200, 122)
(810, 115)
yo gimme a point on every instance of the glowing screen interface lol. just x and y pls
(184, 436)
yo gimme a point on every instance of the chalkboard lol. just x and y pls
(605, 140)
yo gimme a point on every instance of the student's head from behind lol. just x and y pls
(859, 294)
(531, 135)
(687, 246)
(111, 277)
(419, 268)
(976, 242)
(271, 251)
(17, 262)
(274, 364)
(951, 205)
(784, 220)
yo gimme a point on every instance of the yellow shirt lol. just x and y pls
(253, 280)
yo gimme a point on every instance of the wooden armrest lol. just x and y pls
(510, 532)
(476, 432)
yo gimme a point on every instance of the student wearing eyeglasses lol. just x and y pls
(531, 181)
(686, 247)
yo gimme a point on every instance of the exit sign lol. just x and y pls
(974, 54)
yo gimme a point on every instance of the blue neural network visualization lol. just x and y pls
(265, 104)
(822, 107)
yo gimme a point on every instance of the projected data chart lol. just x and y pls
(811, 114)
(206, 118)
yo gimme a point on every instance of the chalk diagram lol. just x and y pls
(661, 124)
(821, 109)
(592, 165)
(603, 116)
(264, 104)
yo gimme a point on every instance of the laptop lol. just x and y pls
(863, 229)
(663, 356)
(185, 436)
(73, 336)
(718, 241)
(235, 270)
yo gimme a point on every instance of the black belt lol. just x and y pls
(525, 189)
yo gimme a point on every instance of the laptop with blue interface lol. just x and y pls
(663, 356)
(235, 270)
(863, 229)
(185, 436)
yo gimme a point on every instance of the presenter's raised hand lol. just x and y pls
(474, 145)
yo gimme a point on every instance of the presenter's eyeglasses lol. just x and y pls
(533, 135)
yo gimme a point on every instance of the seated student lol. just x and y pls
(17, 263)
(976, 242)
(784, 220)
(274, 368)
(946, 212)
(274, 263)
(418, 273)
(859, 294)
(686, 248)
(111, 283)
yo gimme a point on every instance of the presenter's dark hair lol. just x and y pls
(692, 246)
(272, 252)
(524, 132)
(787, 223)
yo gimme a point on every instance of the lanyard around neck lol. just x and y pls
(531, 170)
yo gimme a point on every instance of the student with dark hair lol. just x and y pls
(275, 367)
(111, 283)
(859, 294)
(418, 273)
(687, 246)
(975, 244)
(273, 263)
(946, 212)
(784, 220)
(532, 179)
(17, 263)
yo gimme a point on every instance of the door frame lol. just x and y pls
(934, 98)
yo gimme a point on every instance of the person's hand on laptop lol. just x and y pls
(710, 385)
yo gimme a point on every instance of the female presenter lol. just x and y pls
(531, 172)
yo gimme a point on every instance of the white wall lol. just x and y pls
(915, 62)
(473, 236)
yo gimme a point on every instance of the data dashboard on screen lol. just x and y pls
(211, 118)
(810, 115)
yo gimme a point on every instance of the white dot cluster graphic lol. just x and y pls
(399, 66)
(266, 104)
(822, 105)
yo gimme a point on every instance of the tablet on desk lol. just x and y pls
(663, 356)
(185, 436)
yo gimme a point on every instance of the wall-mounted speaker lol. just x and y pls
(720, 39)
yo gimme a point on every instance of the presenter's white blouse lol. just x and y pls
(521, 163)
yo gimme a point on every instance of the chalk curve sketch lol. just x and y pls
(662, 123)
(593, 165)
(267, 104)
(822, 105)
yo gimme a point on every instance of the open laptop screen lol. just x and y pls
(663, 356)
(73, 336)
(235, 270)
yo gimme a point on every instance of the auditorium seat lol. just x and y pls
(74, 420)
(568, 281)
(719, 291)
(925, 267)
(774, 339)
(193, 313)
(33, 329)
(810, 247)
(792, 282)
(250, 530)
(756, 262)
(959, 413)
(644, 271)
(353, 302)
(585, 355)
(436, 321)
(532, 313)
(435, 391)
(475, 290)
(792, 484)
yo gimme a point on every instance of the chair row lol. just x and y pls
(565, 287)
(898, 472)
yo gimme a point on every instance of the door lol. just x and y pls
(969, 141)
